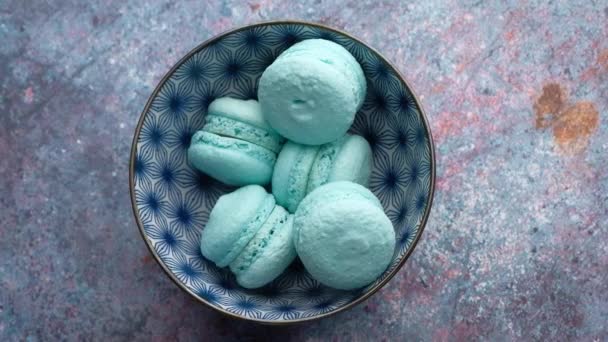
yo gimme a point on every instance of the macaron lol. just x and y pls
(236, 144)
(269, 253)
(291, 171)
(312, 91)
(346, 159)
(249, 233)
(302, 168)
(342, 235)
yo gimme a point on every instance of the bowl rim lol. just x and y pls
(133, 154)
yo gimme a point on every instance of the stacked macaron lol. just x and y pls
(312, 91)
(302, 168)
(319, 208)
(236, 145)
(249, 233)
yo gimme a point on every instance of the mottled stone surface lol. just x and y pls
(516, 245)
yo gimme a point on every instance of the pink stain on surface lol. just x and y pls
(449, 124)
(28, 95)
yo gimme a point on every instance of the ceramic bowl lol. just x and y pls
(171, 200)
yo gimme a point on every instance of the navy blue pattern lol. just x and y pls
(209, 293)
(404, 238)
(252, 42)
(284, 36)
(186, 214)
(419, 197)
(173, 101)
(233, 69)
(400, 137)
(377, 69)
(246, 90)
(167, 240)
(151, 201)
(154, 135)
(143, 165)
(282, 310)
(374, 131)
(179, 139)
(400, 214)
(263, 61)
(185, 270)
(195, 72)
(331, 36)
(244, 305)
(204, 188)
(388, 181)
(192, 249)
(217, 49)
(204, 96)
(377, 101)
(169, 172)
(403, 104)
(173, 200)
(360, 51)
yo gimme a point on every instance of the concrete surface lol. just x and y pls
(516, 94)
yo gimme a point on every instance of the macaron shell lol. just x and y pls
(335, 192)
(344, 241)
(229, 160)
(323, 164)
(268, 253)
(232, 128)
(290, 175)
(275, 258)
(346, 159)
(353, 162)
(336, 55)
(246, 111)
(226, 225)
(307, 100)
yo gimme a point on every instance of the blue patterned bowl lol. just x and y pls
(171, 200)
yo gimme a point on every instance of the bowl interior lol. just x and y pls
(172, 200)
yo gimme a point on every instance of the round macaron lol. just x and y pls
(290, 175)
(234, 221)
(311, 92)
(236, 145)
(346, 159)
(342, 235)
(269, 252)
(249, 233)
(302, 168)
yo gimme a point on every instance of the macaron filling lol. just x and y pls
(299, 178)
(228, 143)
(321, 169)
(232, 128)
(256, 246)
(249, 231)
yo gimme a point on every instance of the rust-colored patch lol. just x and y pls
(147, 259)
(572, 124)
(575, 125)
(599, 68)
(254, 7)
(602, 59)
(549, 104)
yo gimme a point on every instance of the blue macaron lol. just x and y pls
(249, 233)
(311, 92)
(302, 168)
(290, 176)
(342, 235)
(236, 145)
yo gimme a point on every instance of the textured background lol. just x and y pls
(516, 245)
